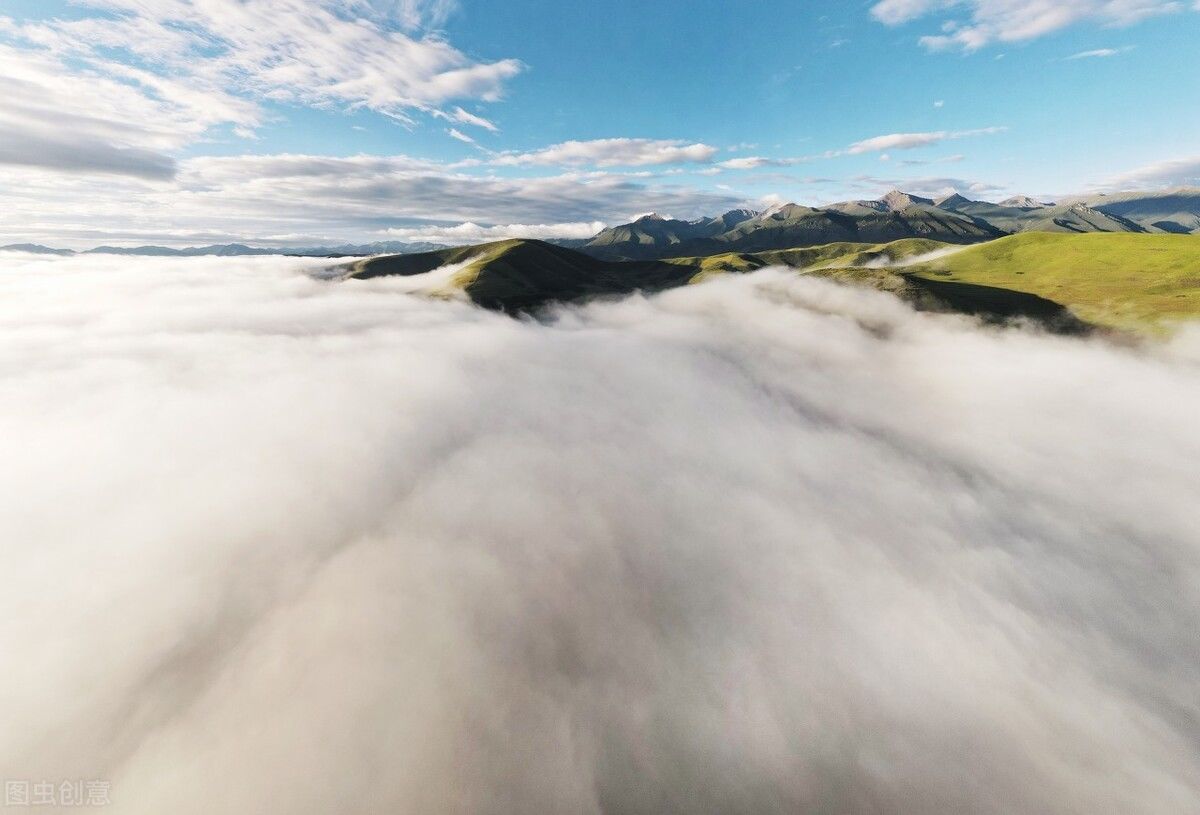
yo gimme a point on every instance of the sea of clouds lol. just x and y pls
(270, 543)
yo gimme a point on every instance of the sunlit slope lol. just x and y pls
(843, 254)
(514, 275)
(1115, 280)
(1126, 281)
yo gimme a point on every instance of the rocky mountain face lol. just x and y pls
(897, 215)
(954, 218)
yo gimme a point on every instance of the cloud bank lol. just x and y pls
(762, 545)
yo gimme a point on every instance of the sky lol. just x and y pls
(293, 122)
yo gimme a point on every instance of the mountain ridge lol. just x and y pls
(952, 218)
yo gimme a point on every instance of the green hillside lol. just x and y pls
(523, 275)
(1126, 281)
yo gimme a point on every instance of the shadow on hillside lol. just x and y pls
(996, 305)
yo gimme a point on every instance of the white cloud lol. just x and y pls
(928, 186)
(468, 233)
(621, 152)
(1183, 172)
(209, 59)
(912, 141)
(765, 545)
(118, 121)
(455, 133)
(757, 162)
(1015, 20)
(468, 118)
(1099, 53)
(348, 199)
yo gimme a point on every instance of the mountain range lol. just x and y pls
(237, 250)
(953, 219)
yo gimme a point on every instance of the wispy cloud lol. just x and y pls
(1100, 53)
(912, 141)
(457, 134)
(989, 21)
(619, 152)
(1181, 172)
(345, 198)
(929, 186)
(210, 58)
(468, 233)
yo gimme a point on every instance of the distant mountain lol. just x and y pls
(896, 216)
(1174, 211)
(954, 219)
(34, 249)
(1024, 214)
(239, 250)
(1024, 202)
(653, 236)
(226, 250)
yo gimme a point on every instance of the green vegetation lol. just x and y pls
(1122, 281)
(1125, 281)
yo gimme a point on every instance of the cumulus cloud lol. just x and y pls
(334, 548)
(1015, 20)
(468, 233)
(620, 152)
(912, 141)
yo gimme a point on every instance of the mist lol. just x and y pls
(276, 543)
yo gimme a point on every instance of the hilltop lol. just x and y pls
(1121, 281)
(1118, 281)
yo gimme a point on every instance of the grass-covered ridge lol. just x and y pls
(1125, 281)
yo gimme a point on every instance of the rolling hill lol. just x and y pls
(1067, 281)
(521, 275)
(1114, 280)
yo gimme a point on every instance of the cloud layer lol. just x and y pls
(762, 545)
(354, 198)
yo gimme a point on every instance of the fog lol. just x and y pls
(271, 543)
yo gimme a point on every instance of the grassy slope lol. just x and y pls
(1124, 281)
(810, 257)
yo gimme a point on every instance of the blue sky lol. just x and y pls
(285, 120)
